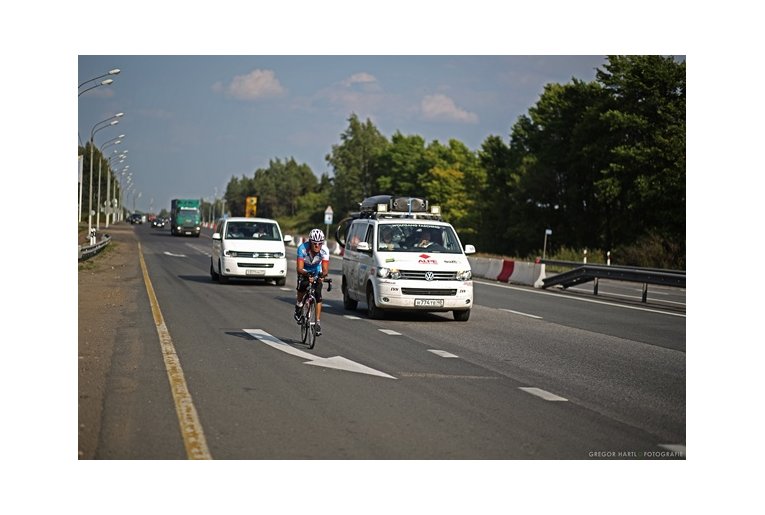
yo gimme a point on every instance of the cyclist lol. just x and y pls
(312, 258)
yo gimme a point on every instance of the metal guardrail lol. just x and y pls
(583, 273)
(87, 251)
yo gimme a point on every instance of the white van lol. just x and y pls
(251, 248)
(400, 255)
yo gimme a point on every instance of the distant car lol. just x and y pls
(158, 222)
(249, 248)
(135, 219)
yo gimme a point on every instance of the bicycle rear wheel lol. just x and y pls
(305, 327)
(311, 325)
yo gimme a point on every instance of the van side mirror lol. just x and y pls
(469, 249)
(362, 246)
(287, 238)
(216, 236)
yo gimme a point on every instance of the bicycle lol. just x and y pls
(308, 315)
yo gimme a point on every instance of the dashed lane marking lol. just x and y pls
(543, 394)
(191, 429)
(391, 332)
(443, 353)
(519, 313)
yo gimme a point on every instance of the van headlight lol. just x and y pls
(464, 275)
(388, 273)
(278, 255)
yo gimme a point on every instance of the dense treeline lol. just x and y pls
(600, 163)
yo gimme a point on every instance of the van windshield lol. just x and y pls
(417, 238)
(252, 231)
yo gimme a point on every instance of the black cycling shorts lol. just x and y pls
(302, 286)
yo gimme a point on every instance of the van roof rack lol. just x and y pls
(391, 206)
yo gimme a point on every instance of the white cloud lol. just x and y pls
(443, 109)
(256, 84)
(360, 78)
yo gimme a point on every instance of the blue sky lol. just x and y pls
(193, 122)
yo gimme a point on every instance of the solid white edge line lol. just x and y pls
(579, 299)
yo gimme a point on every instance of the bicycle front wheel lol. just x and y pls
(311, 325)
(305, 326)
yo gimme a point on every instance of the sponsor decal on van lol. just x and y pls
(426, 259)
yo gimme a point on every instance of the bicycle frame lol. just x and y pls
(308, 317)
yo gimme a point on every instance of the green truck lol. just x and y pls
(185, 217)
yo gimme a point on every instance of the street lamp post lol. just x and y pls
(136, 198)
(113, 141)
(109, 197)
(93, 132)
(126, 194)
(115, 71)
(102, 83)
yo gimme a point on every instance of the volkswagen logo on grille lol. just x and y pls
(429, 276)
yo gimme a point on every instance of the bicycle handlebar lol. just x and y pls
(327, 280)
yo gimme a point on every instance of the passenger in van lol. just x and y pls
(234, 232)
(424, 239)
(386, 239)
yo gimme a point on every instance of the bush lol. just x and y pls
(652, 251)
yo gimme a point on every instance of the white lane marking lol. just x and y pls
(519, 313)
(580, 299)
(351, 317)
(680, 449)
(390, 332)
(611, 294)
(174, 255)
(543, 394)
(427, 375)
(443, 353)
(336, 362)
(286, 289)
(202, 250)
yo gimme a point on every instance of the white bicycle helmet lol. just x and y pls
(316, 236)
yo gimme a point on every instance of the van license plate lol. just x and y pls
(430, 303)
(255, 272)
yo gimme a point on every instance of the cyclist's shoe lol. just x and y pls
(318, 329)
(297, 314)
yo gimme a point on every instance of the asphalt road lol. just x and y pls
(532, 374)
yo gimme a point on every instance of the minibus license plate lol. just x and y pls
(430, 303)
(255, 272)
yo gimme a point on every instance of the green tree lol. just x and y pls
(353, 163)
(452, 180)
(644, 182)
(555, 161)
(493, 212)
(402, 167)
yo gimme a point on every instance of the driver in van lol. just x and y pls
(386, 239)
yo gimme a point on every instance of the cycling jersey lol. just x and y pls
(312, 262)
